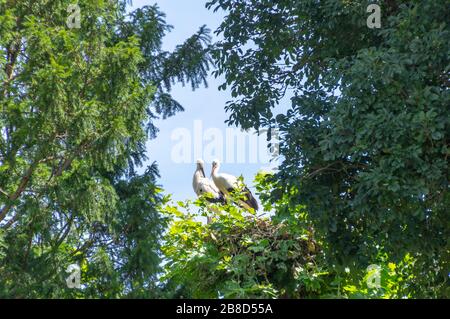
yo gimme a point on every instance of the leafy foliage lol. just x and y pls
(239, 255)
(365, 139)
(365, 145)
(236, 256)
(75, 106)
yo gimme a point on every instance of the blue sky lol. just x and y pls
(204, 104)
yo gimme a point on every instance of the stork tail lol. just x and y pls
(250, 200)
(219, 199)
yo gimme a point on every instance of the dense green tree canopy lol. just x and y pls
(241, 255)
(364, 174)
(365, 139)
(76, 107)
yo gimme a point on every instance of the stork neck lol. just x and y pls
(198, 174)
(214, 171)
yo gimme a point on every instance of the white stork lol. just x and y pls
(226, 183)
(203, 185)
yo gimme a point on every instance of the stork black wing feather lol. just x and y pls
(250, 199)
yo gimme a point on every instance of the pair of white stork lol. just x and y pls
(220, 186)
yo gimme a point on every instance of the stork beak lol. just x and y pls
(203, 172)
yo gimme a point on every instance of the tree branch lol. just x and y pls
(19, 190)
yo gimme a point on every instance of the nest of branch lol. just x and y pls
(271, 248)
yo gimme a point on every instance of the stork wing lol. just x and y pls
(228, 183)
(206, 186)
(250, 199)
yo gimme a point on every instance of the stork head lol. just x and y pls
(200, 163)
(216, 163)
(215, 166)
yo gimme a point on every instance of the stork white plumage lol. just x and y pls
(227, 183)
(203, 185)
